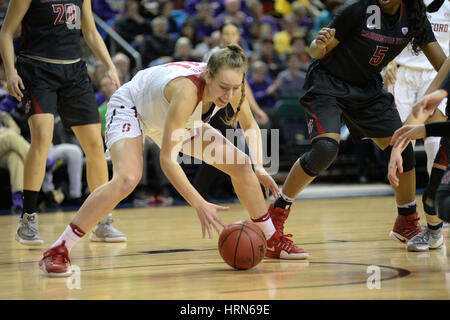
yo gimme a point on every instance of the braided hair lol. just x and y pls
(417, 25)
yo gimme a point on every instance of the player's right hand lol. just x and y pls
(15, 86)
(324, 37)
(429, 102)
(390, 73)
(207, 213)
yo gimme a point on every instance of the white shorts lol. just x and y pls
(121, 123)
(411, 86)
(124, 122)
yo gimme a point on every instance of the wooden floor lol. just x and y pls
(166, 258)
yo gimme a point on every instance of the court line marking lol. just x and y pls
(162, 251)
(401, 272)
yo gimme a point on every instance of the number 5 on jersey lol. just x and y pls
(378, 55)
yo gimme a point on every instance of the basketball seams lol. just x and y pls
(251, 244)
(237, 245)
(258, 232)
(237, 254)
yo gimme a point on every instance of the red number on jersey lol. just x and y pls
(378, 55)
(59, 9)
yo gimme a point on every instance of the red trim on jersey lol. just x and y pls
(36, 106)
(199, 83)
(320, 128)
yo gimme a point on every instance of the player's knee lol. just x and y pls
(243, 167)
(126, 182)
(429, 195)
(322, 154)
(409, 159)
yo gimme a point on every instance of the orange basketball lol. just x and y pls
(242, 245)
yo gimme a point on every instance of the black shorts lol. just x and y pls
(65, 89)
(329, 102)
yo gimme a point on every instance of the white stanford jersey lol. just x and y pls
(146, 92)
(438, 13)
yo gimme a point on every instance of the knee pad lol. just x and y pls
(320, 157)
(409, 159)
(443, 204)
(429, 195)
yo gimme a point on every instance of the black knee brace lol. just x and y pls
(409, 159)
(429, 195)
(442, 201)
(320, 157)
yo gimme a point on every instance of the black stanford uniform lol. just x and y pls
(52, 29)
(346, 83)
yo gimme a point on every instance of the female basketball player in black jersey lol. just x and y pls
(343, 84)
(49, 77)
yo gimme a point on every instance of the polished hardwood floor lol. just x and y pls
(351, 257)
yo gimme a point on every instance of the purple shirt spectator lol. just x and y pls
(9, 103)
(108, 9)
(260, 91)
(190, 6)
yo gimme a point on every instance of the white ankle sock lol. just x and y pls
(266, 225)
(286, 198)
(71, 235)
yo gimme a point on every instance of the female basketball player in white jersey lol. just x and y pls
(409, 75)
(163, 102)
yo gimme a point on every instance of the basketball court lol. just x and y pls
(165, 258)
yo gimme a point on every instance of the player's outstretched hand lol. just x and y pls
(268, 183)
(429, 103)
(395, 163)
(402, 136)
(324, 37)
(207, 213)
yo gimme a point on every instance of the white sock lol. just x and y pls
(406, 205)
(431, 145)
(71, 235)
(266, 225)
(286, 198)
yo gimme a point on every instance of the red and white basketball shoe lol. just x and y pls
(56, 262)
(278, 216)
(280, 247)
(405, 227)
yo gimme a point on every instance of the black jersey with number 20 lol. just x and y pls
(52, 29)
(368, 39)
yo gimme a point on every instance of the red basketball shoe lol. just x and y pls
(405, 227)
(280, 247)
(278, 216)
(56, 262)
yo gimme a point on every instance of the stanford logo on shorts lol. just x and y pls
(126, 127)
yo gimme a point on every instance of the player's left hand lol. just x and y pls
(402, 136)
(268, 183)
(262, 117)
(395, 163)
(112, 74)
